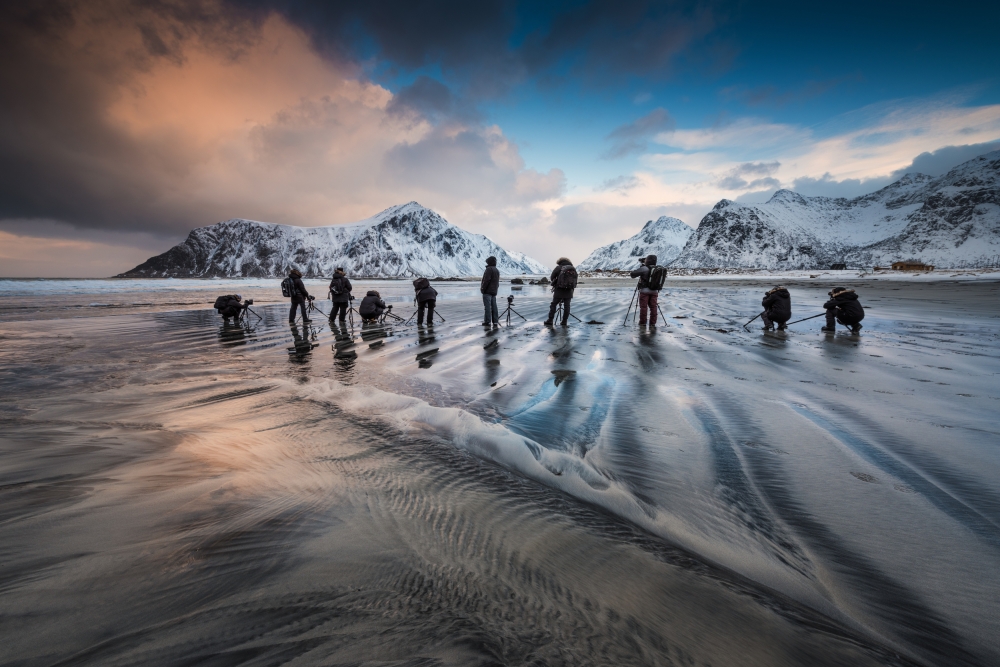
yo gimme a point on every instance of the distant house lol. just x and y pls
(838, 267)
(911, 266)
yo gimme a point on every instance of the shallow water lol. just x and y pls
(173, 491)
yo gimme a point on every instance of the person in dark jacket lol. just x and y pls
(777, 304)
(426, 297)
(340, 294)
(561, 295)
(845, 308)
(231, 307)
(372, 306)
(488, 288)
(299, 296)
(647, 295)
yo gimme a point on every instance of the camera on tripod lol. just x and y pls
(248, 302)
(510, 299)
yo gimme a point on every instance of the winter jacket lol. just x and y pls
(491, 281)
(299, 291)
(371, 306)
(556, 292)
(848, 308)
(642, 273)
(231, 308)
(778, 305)
(344, 285)
(426, 294)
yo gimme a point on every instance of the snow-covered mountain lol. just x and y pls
(402, 241)
(664, 237)
(942, 221)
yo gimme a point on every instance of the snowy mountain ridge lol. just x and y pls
(664, 237)
(407, 240)
(941, 221)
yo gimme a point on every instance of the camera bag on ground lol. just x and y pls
(566, 278)
(421, 283)
(657, 277)
(287, 287)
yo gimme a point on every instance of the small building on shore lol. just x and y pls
(912, 266)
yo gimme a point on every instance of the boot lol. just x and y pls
(856, 329)
(781, 327)
(829, 329)
(769, 328)
(547, 323)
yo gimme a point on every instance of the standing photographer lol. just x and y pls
(648, 293)
(426, 298)
(488, 287)
(340, 294)
(298, 294)
(563, 281)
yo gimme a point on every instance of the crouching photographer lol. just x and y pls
(231, 306)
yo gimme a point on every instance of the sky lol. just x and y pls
(553, 128)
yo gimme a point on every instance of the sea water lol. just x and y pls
(177, 491)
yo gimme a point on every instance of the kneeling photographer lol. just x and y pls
(231, 307)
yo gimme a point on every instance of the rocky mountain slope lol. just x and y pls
(946, 221)
(664, 237)
(402, 241)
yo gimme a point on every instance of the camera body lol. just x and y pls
(510, 299)
(248, 302)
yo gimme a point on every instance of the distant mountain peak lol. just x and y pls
(406, 240)
(663, 237)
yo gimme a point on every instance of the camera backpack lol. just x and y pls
(337, 286)
(222, 302)
(566, 278)
(421, 283)
(657, 277)
(287, 288)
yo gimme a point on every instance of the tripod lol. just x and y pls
(559, 314)
(627, 312)
(510, 309)
(430, 322)
(244, 317)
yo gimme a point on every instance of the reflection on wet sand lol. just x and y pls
(176, 492)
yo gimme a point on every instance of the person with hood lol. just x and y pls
(426, 298)
(647, 295)
(229, 306)
(340, 294)
(563, 281)
(372, 306)
(299, 296)
(488, 288)
(845, 308)
(777, 305)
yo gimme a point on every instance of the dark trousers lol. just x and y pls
(298, 303)
(490, 312)
(555, 304)
(832, 317)
(339, 307)
(768, 321)
(429, 307)
(647, 301)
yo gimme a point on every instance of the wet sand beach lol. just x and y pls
(176, 491)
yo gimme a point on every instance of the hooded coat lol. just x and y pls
(848, 309)
(426, 294)
(778, 305)
(372, 305)
(491, 278)
(343, 285)
(642, 273)
(299, 291)
(231, 307)
(556, 292)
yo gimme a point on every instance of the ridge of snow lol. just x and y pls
(663, 237)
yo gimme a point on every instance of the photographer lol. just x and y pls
(230, 306)
(426, 297)
(372, 306)
(299, 294)
(563, 279)
(340, 294)
(845, 308)
(777, 303)
(648, 294)
(488, 288)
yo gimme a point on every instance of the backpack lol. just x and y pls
(566, 278)
(421, 283)
(337, 286)
(657, 277)
(287, 287)
(223, 301)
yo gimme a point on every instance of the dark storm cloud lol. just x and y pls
(939, 162)
(634, 137)
(60, 158)
(758, 173)
(432, 100)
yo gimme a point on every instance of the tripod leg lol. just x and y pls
(630, 305)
